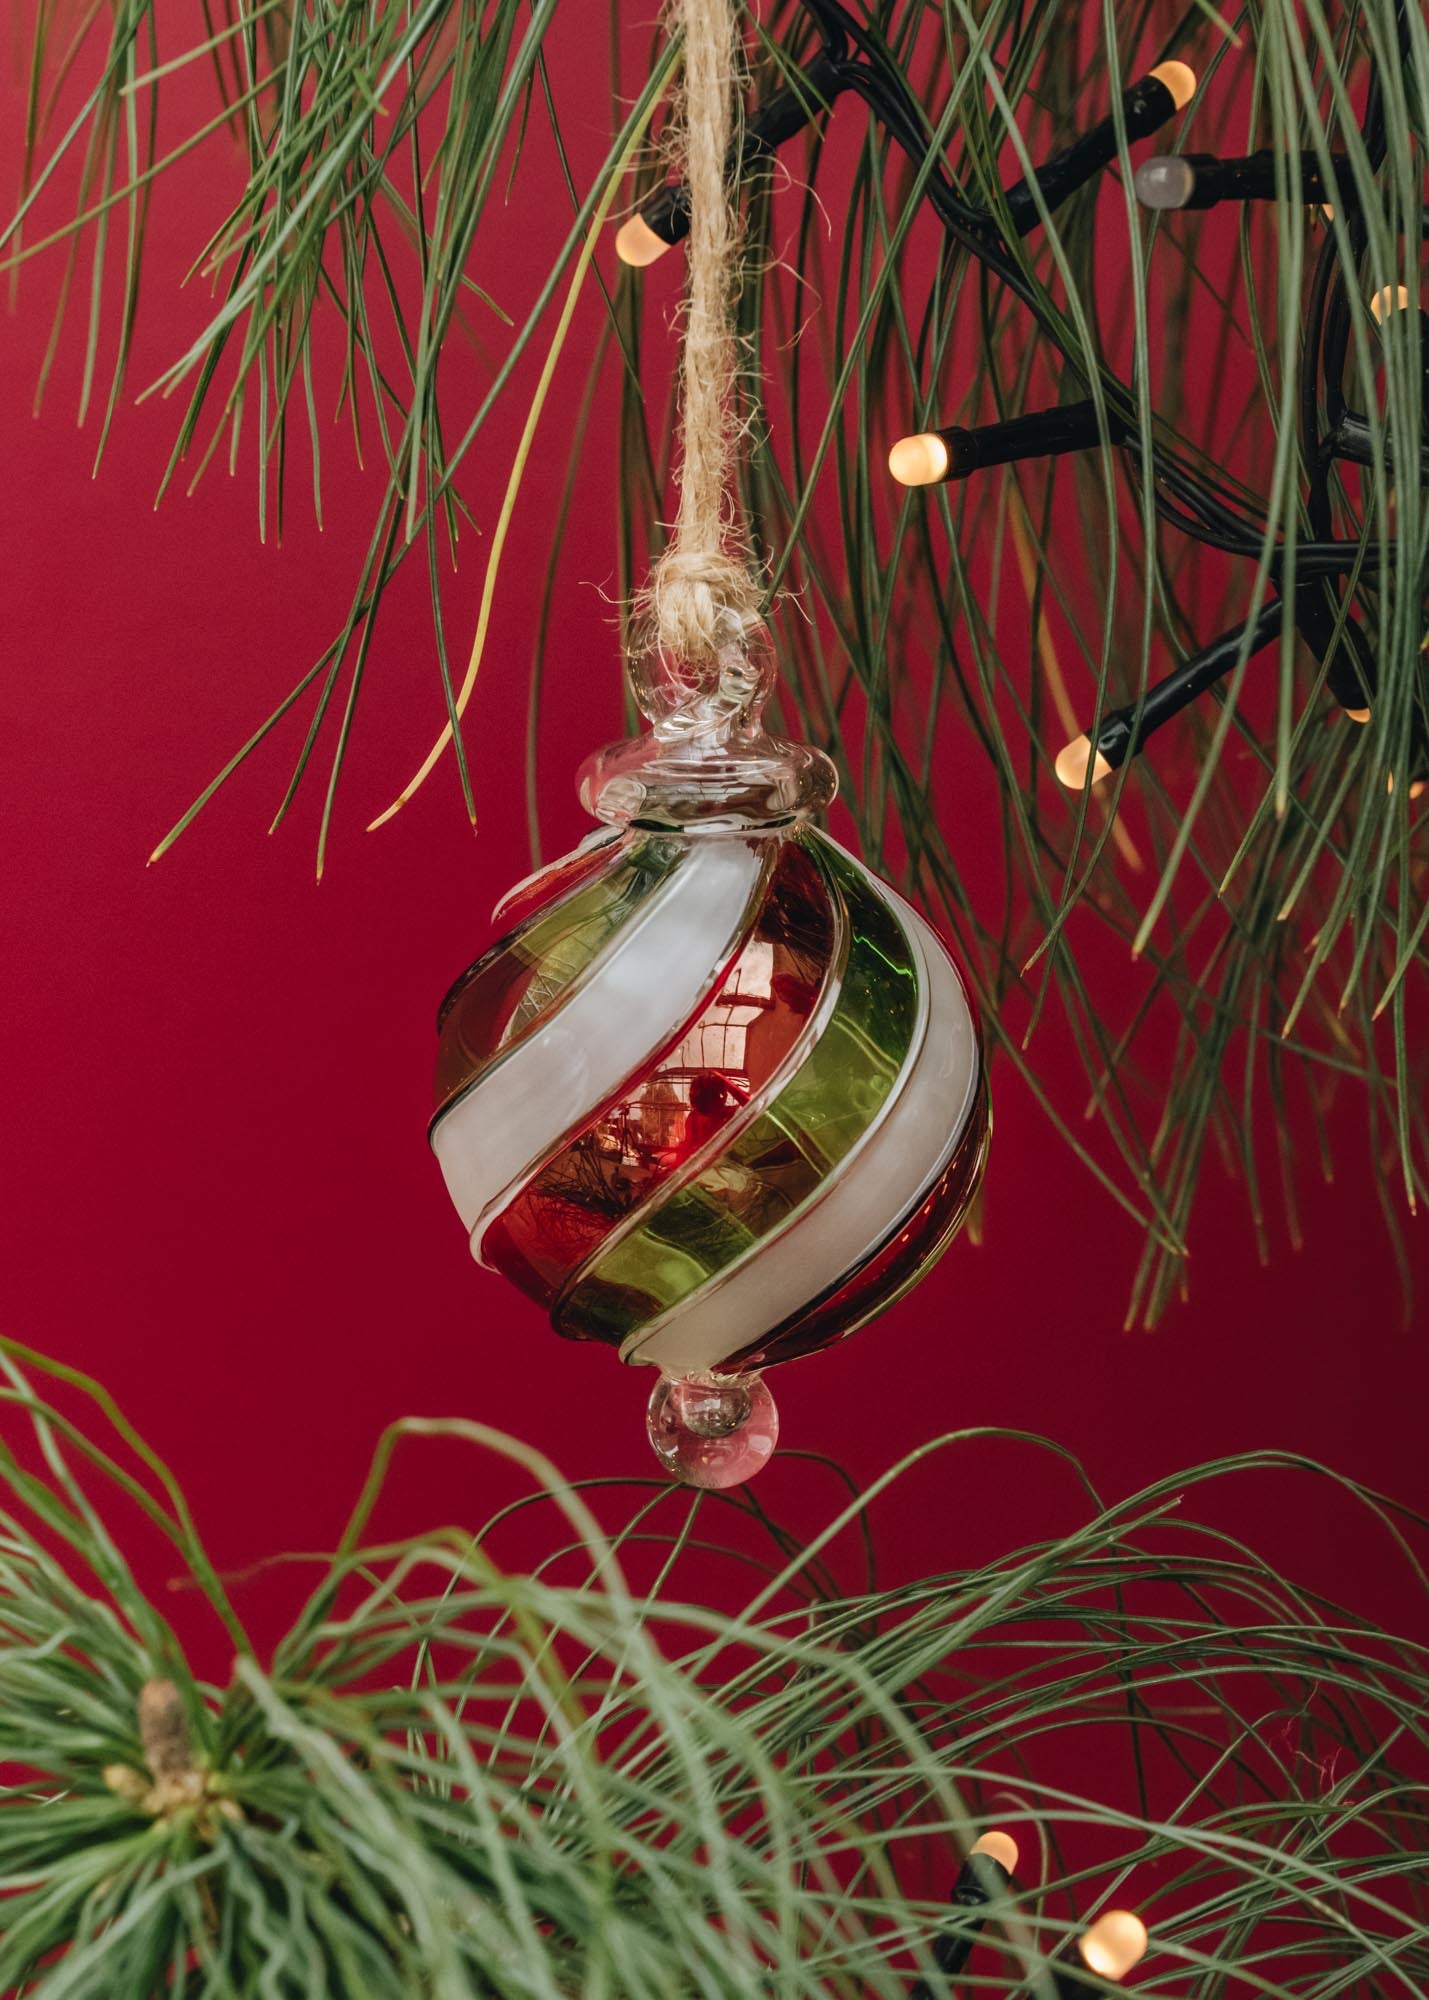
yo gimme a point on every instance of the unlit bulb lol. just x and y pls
(1180, 79)
(1165, 182)
(999, 1847)
(1073, 762)
(920, 460)
(1115, 1943)
(637, 244)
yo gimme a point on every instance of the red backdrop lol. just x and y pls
(218, 1194)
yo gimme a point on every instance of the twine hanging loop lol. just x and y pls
(700, 659)
(700, 609)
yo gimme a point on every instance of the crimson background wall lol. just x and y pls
(217, 1193)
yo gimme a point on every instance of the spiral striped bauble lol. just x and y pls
(715, 1100)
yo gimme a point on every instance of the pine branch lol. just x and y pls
(465, 1776)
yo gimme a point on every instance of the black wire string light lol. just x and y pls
(852, 59)
(1110, 1947)
(985, 1878)
(1201, 180)
(663, 220)
(1123, 731)
(1145, 107)
(933, 456)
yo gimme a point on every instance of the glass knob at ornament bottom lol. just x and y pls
(712, 1431)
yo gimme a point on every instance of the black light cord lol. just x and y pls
(877, 81)
(1182, 499)
(1122, 732)
(1145, 106)
(981, 1880)
(934, 456)
(1111, 1947)
(852, 57)
(1176, 181)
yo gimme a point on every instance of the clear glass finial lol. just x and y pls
(708, 761)
(713, 1431)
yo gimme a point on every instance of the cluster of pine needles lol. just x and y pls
(572, 1775)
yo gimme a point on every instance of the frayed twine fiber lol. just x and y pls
(702, 599)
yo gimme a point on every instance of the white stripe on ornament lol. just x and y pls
(630, 1000)
(878, 1184)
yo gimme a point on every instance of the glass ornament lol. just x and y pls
(717, 1096)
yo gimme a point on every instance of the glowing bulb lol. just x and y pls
(637, 244)
(1393, 298)
(1418, 788)
(1071, 765)
(920, 460)
(1360, 715)
(1165, 182)
(1115, 1942)
(1000, 1847)
(1180, 79)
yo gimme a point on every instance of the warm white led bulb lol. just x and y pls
(1180, 79)
(920, 460)
(1001, 1847)
(1073, 761)
(1165, 182)
(1114, 1944)
(637, 244)
(1391, 298)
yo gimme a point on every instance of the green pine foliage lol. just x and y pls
(570, 1776)
(1262, 861)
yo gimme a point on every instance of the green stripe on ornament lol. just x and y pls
(780, 1161)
